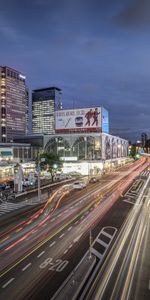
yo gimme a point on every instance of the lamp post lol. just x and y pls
(39, 173)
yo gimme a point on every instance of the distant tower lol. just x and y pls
(27, 110)
(143, 139)
(44, 104)
(12, 104)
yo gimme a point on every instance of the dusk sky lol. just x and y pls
(97, 51)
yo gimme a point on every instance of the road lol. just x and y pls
(47, 246)
(125, 273)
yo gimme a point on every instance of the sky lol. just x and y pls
(96, 51)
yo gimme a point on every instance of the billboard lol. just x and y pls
(105, 120)
(78, 120)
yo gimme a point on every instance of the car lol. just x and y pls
(7, 187)
(93, 180)
(78, 185)
(2, 186)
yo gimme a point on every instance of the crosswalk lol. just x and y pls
(145, 173)
(8, 207)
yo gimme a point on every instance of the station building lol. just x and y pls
(82, 140)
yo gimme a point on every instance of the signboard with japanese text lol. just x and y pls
(78, 120)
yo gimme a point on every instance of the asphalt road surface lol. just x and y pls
(39, 253)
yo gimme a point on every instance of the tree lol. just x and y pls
(51, 162)
(133, 151)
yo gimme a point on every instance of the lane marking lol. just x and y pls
(26, 267)
(77, 238)
(52, 244)
(41, 254)
(65, 251)
(61, 236)
(17, 230)
(5, 239)
(102, 243)
(38, 246)
(70, 246)
(107, 234)
(96, 253)
(69, 228)
(8, 282)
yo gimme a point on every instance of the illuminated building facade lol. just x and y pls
(27, 110)
(12, 104)
(44, 103)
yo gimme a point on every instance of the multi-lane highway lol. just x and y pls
(125, 273)
(38, 254)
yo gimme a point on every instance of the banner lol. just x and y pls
(78, 120)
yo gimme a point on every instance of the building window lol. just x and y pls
(3, 130)
(3, 111)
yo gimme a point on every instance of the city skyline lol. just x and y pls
(95, 51)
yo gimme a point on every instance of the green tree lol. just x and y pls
(133, 151)
(50, 162)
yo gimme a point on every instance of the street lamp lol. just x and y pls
(42, 159)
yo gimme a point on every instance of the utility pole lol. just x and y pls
(39, 173)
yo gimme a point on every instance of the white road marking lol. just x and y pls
(70, 246)
(76, 222)
(8, 282)
(26, 267)
(61, 236)
(65, 251)
(41, 254)
(77, 238)
(52, 244)
(96, 253)
(69, 228)
(126, 200)
(82, 218)
(76, 204)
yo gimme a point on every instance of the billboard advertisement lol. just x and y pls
(78, 120)
(105, 120)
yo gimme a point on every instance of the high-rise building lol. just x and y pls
(12, 104)
(27, 110)
(44, 103)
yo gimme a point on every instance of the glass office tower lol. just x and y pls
(12, 104)
(44, 103)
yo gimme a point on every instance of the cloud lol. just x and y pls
(136, 14)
